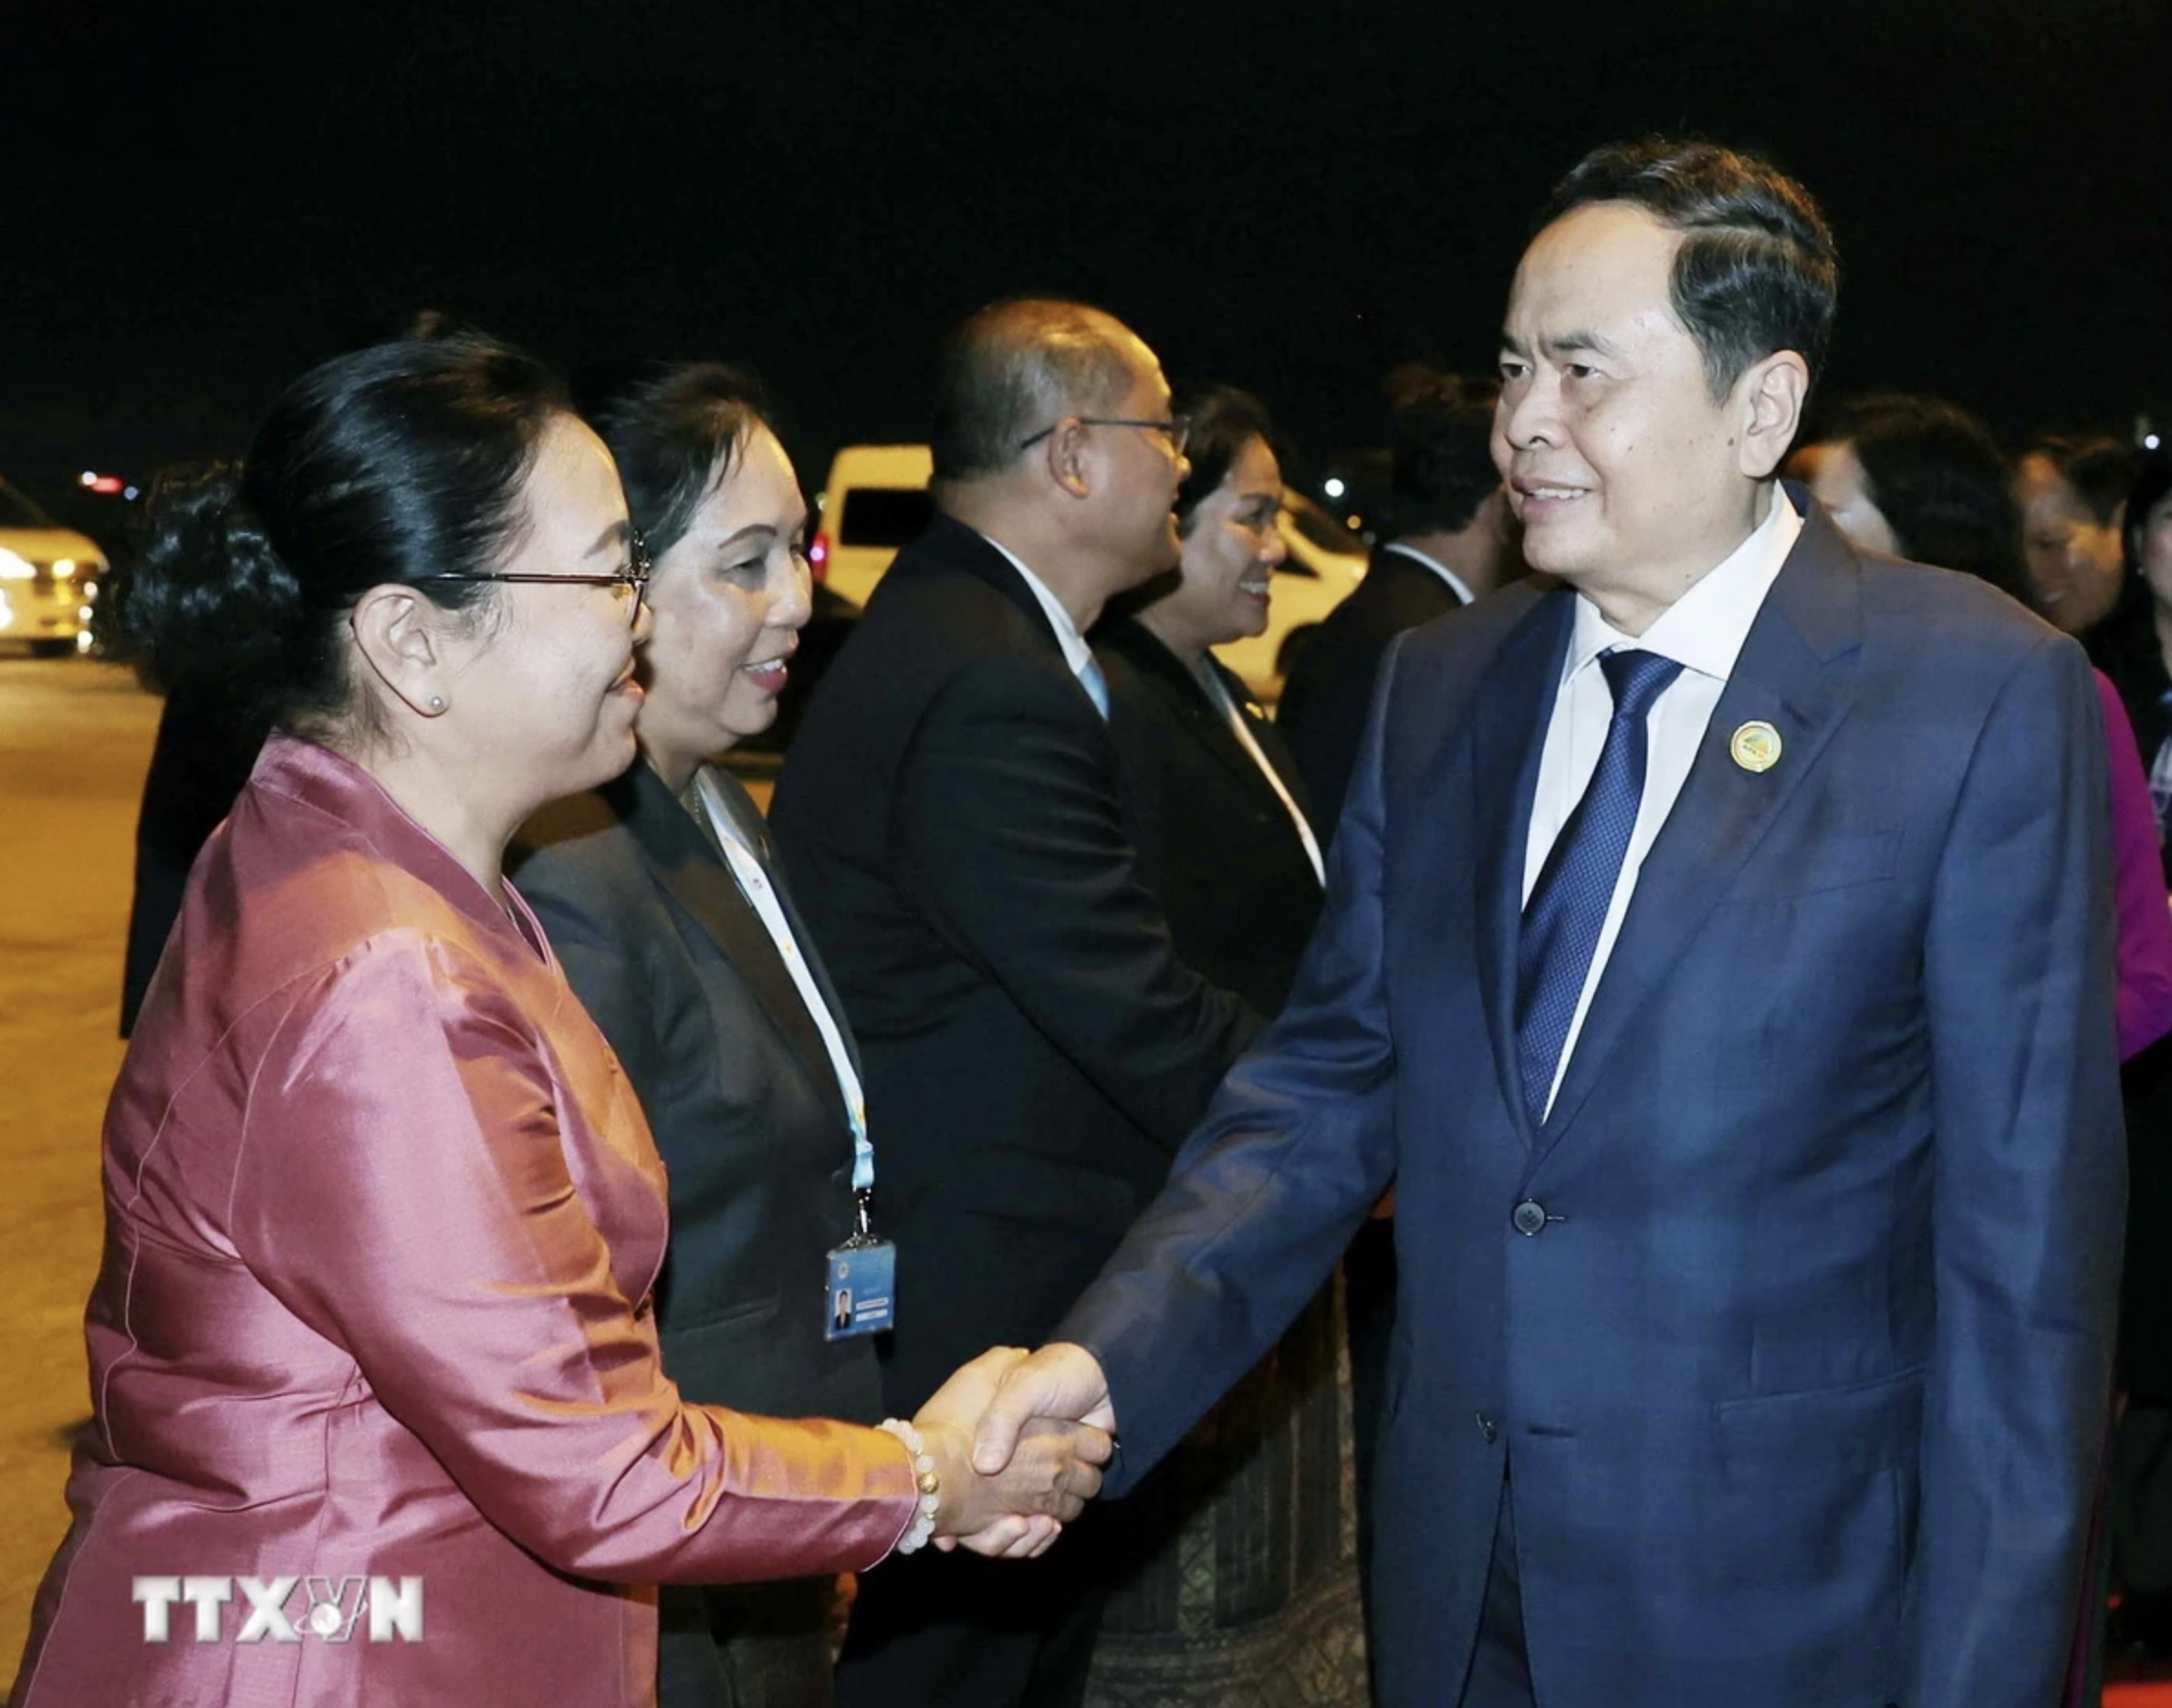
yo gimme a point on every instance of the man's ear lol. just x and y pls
(1067, 457)
(1768, 400)
(399, 634)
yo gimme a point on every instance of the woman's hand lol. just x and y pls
(1017, 1512)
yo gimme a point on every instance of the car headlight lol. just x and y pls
(64, 569)
(15, 568)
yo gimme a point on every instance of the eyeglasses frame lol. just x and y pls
(1176, 430)
(635, 575)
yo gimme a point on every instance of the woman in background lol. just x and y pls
(2072, 491)
(662, 896)
(382, 1215)
(2138, 642)
(1249, 1594)
(1919, 478)
(2138, 651)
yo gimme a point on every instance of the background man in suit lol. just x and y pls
(1035, 1052)
(1454, 543)
(1742, 1049)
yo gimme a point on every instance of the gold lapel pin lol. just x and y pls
(1756, 746)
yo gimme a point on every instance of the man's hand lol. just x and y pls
(1017, 1509)
(1062, 1381)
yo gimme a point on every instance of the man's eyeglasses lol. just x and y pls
(1176, 430)
(634, 578)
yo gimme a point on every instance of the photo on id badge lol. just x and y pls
(863, 1287)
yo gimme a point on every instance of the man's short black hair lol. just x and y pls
(1015, 368)
(1757, 271)
(1441, 453)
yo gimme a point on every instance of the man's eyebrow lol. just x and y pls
(1511, 343)
(1580, 343)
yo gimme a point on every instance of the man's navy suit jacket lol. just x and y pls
(1799, 1381)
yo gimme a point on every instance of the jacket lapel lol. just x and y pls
(698, 881)
(1160, 673)
(1796, 672)
(1270, 744)
(950, 545)
(1508, 723)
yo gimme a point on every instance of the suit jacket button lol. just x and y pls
(1529, 1218)
(1487, 1428)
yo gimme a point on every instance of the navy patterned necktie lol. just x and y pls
(1567, 904)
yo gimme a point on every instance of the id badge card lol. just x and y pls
(861, 1282)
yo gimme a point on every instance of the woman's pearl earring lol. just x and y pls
(437, 703)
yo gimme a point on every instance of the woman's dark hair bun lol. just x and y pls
(207, 604)
(401, 463)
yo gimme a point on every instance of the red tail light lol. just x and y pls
(818, 557)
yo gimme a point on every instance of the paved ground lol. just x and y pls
(74, 740)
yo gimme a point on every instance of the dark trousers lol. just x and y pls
(1501, 1668)
(1368, 1306)
(745, 1645)
(954, 1630)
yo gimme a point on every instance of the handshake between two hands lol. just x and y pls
(1018, 1440)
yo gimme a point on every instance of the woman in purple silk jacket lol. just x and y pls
(383, 1215)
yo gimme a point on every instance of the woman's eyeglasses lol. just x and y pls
(634, 578)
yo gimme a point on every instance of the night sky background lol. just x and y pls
(201, 198)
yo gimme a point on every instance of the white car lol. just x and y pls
(876, 500)
(49, 579)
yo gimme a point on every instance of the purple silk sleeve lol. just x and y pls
(2137, 888)
(421, 1189)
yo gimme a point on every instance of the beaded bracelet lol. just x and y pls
(924, 1479)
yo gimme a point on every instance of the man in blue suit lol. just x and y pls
(1718, 958)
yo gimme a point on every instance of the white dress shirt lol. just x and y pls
(1703, 632)
(1076, 653)
(1455, 582)
(761, 895)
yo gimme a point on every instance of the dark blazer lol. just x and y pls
(203, 756)
(1797, 1353)
(1035, 1050)
(1215, 841)
(687, 984)
(1330, 689)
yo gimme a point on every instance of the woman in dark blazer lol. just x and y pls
(661, 893)
(1251, 1595)
(1220, 815)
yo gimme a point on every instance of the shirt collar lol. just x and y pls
(1076, 653)
(1455, 582)
(1705, 628)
